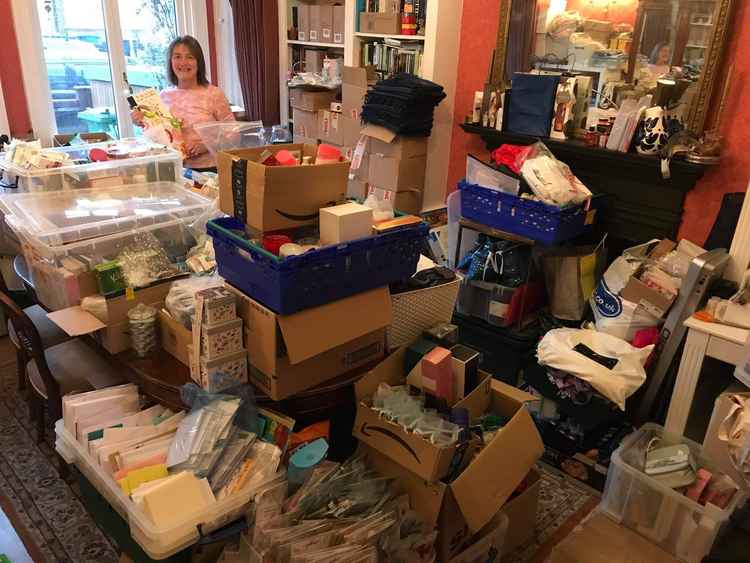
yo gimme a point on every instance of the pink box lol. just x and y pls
(437, 373)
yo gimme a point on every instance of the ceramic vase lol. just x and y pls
(653, 135)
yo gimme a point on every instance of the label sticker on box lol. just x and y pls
(129, 294)
(590, 214)
(498, 309)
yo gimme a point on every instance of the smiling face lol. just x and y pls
(184, 64)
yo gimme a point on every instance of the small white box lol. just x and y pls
(342, 223)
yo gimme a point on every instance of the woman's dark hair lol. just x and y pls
(195, 49)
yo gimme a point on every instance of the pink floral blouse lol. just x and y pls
(197, 105)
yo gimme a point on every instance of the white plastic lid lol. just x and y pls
(156, 153)
(70, 216)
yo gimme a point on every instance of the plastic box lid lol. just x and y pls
(63, 217)
(162, 154)
(229, 135)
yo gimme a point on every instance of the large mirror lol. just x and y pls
(667, 48)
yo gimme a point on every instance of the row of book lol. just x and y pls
(392, 56)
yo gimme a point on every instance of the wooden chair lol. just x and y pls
(69, 367)
(49, 333)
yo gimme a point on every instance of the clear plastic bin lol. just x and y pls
(157, 164)
(65, 217)
(64, 235)
(157, 541)
(663, 515)
(229, 135)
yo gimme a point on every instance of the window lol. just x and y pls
(82, 51)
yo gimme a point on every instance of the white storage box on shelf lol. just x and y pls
(157, 541)
(150, 163)
(64, 234)
(661, 514)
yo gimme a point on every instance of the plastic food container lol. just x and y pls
(666, 517)
(152, 163)
(228, 135)
(158, 542)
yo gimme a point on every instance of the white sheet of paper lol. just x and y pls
(75, 321)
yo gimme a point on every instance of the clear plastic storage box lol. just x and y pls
(665, 516)
(158, 542)
(65, 234)
(229, 135)
(146, 163)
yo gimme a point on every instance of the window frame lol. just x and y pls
(191, 20)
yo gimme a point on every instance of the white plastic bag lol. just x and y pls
(556, 350)
(613, 314)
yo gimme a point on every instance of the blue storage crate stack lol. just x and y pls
(546, 224)
(317, 276)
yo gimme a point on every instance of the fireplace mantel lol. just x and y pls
(640, 205)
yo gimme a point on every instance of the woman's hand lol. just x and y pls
(137, 117)
(195, 148)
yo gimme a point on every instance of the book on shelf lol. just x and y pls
(393, 56)
(383, 6)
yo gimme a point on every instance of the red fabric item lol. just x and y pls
(512, 156)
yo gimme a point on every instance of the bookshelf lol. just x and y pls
(440, 46)
(313, 45)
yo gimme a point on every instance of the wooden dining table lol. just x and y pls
(160, 377)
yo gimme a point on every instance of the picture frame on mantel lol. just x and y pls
(690, 16)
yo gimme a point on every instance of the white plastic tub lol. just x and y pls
(663, 515)
(158, 542)
(158, 164)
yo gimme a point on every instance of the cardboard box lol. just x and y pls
(329, 127)
(464, 507)
(488, 543)
(521, 512)
(339, 22)
(314, 34)
(274, 198)
(350, 130)
(309, 100)
(325, 15)
(431, 462)
(638, 292)
(397, 174)
(376, 22)
(717, 451)
(305, 124)
(313, 61)
(291, 353)
(600, 540)
(300, 140)
(406, 201)
(355, 81)
(344, 223)
(395, 163)
(303, 22)
(175, 338)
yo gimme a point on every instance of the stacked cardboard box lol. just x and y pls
(461, 509)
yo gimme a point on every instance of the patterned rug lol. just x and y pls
(48, 514)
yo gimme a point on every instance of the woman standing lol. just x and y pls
(191, 99)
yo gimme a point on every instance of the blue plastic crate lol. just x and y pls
(534, 220)
(317, 276)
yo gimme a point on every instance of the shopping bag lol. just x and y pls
(735, 431)
(612, 313)
(612, 366)
(571, 275)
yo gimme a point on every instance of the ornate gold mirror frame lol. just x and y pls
(701, 103)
